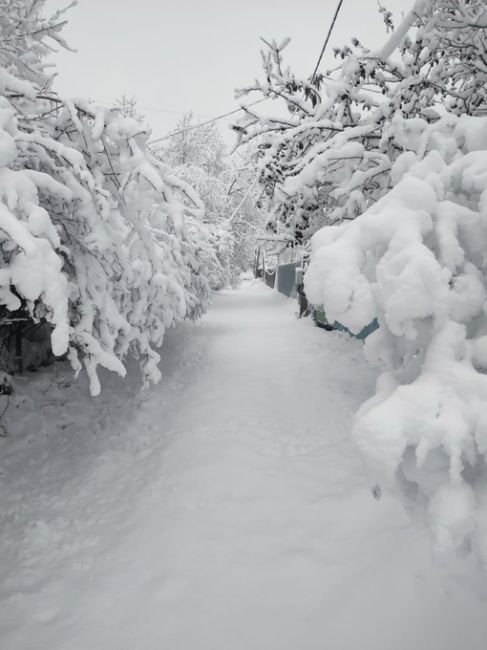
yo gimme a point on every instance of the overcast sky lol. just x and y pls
(186, 55)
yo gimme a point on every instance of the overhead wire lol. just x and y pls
(243, 108)
(164, 110)
(323, 49)
(237, 110)
(330, 30)
(211, 121)
(153, 108)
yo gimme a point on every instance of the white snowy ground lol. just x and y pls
(226, 509)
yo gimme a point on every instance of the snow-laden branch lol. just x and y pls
(419, 8)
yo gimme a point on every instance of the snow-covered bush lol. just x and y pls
(416, 260)
(389, 153)
(97, 236)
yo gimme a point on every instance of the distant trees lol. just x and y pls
(199, 156)
(192, 144)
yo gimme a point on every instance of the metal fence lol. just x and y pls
(24, 343)
(286, 278)
(322, 321)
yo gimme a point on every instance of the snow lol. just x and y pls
(227, 507)
(415, 261)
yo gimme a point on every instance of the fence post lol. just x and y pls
(18, 347)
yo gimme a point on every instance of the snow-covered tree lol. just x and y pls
(324, 155)
(415, 260)
(452, 33)
(97, 236)
(199, 156)
(319, 154)
(190, 143)
(246, 215)
(127, 105)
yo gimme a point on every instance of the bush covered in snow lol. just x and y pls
(97, 236)
(389, 153)
(415, 260)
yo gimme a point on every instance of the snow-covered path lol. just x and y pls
(226, 509)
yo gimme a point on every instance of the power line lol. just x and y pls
(337, 11)
(214, 119)
(237, 110)
(153, 108)
(242, 108)
(163, 110)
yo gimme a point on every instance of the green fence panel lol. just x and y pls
(321, 319)
(270, 278)
(286, 279)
